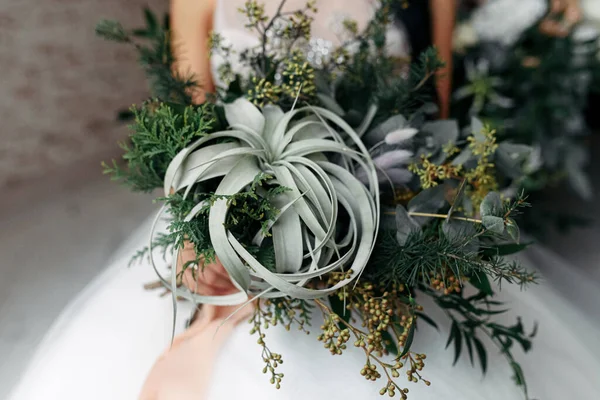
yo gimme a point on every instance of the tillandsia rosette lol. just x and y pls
(538, 84)
(327, 184)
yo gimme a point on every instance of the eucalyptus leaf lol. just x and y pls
(493, 224)
(510, 158)
(389, 343)
(477, 129)
(405, 225)
(427, 201)
(428, 320)
(463, 157)
(513, 230)
(491, 205)
(443, 132)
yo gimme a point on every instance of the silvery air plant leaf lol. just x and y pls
(405, 225)
(289, 147)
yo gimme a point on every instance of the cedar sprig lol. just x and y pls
(159, 133)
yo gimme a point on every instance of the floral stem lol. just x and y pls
(444, 216)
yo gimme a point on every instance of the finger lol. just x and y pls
(557, 6)
(573, 14)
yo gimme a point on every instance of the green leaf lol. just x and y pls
(534, 332)
(481, 353)
(506, 249)
(519, 377)
(405, 225)
(428, 320)
(409, 340)
(112, 30)
(477, 128)
(337, 306)
(464, 156)
(457, 346)
(513, 230)
(480, 281)
(491, 205)
(143, 33)
(151, 21)
(427, 201)
(454, 330)
(389, 343)
(442, 132)
(461, 233)
(469, 347)
(493, 224)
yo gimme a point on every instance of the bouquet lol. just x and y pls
(326, 184)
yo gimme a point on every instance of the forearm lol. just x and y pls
(443, 15)
(191, 24)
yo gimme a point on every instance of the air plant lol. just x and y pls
(288, 147)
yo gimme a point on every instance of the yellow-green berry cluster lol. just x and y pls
(334, 339)
(298, 77)
(482, 179)
(431, 174)
(271, 360)
(254, 12)
(263, 92)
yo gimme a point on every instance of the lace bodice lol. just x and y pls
(327, 29)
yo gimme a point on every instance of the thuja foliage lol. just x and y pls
(255, 211)
(158, 133)
(452, 238)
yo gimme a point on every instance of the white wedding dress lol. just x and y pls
(105, 342)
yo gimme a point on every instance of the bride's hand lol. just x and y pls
(207, 278)
(210, 279)
(184, 371)
(571, 13)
